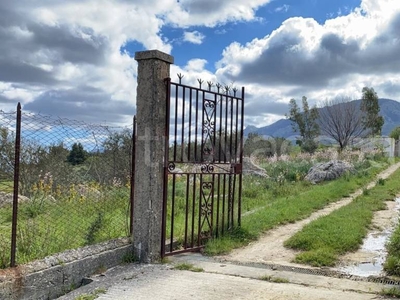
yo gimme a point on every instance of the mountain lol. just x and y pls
(390, 111)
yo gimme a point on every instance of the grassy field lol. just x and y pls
(290, 202)
(324, 239)
(60, 218)
(47, 225)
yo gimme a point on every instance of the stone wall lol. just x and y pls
(56, 275)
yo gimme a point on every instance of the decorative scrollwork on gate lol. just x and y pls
(171, 166)
(208, 185)
(208, 129)
(207, 168)
(207, 190)
(204, 138)
(206, 209)
(209, 104)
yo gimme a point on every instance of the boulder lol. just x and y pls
(250, 168)
(87, 191)
(328, 171)
(7, 198)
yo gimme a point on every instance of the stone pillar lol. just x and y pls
(153, 68)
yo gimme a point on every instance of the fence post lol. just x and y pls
(153, 69)
(16, 181)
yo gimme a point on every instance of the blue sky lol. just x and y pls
(270, 17)
(75, 59)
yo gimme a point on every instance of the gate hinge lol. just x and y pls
(236, 168)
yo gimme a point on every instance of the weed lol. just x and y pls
(234, 238)
(94, 229)
(365, 191)
(100, 270)
(67, 289)
(129, 258)
(274, 279)
(195, 269)
(393, 292)
(266, 277)
(381, 181)
(183, 266)
(92, 295)
(392, 264)
(188, 267)
(165, 260)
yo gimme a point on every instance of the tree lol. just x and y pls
(372, 121)
(6, 153)
(77, 155)
(395, 133)
(279, 145)
(341, 120)
(117, 154)
(256, 145)
(305, 123)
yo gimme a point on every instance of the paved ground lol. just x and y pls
(221, 280)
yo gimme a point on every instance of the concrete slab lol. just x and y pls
(220, 281)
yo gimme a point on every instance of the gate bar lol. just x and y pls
(166, 146)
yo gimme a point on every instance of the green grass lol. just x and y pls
(274, 279)
(6, 186)
(301, 202)
(393, 292)
(92, 295)
(324, 239)
(188, 267)
(392, 263)
(46, 227)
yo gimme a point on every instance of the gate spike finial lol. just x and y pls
(200, 81)
(180, 76)
(235, 89)
(227, 89)
(210, 85)
(218, 85)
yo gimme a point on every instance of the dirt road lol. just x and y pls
(269, 248)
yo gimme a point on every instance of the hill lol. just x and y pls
(390, 111)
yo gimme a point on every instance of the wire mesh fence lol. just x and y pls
(74, 185)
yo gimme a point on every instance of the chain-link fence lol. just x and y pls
(74, 185)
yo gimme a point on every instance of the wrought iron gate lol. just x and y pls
(203, 164)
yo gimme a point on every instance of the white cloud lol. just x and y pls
(213, 12)
(283, 8)
(194, 37)
(303, 57)
(57, 52)
(72, 49)
(193, 71)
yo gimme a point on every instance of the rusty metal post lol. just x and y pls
(241, 161)
(16, 181)
(166, 155)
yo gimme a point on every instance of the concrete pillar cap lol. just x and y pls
(154, 54)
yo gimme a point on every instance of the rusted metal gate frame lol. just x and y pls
(225, 174)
